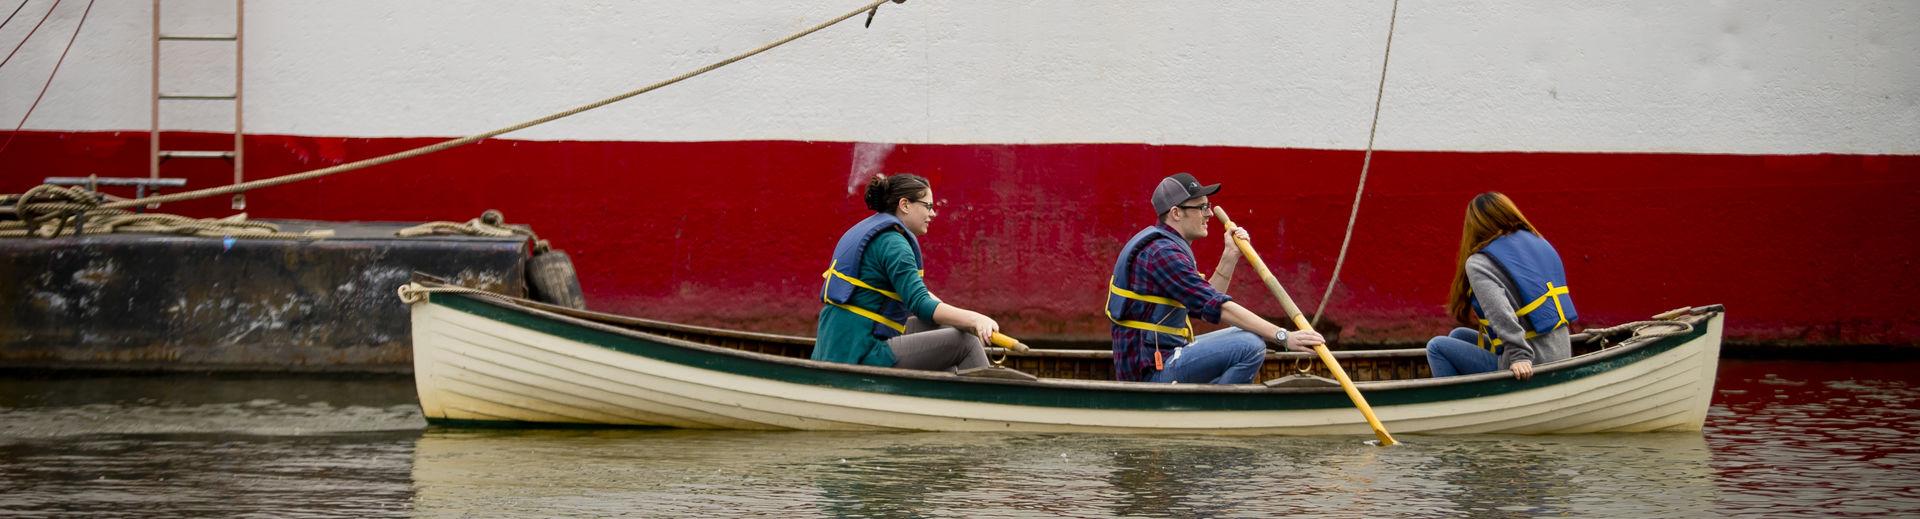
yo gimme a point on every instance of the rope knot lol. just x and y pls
(411, 293)
(46, 210)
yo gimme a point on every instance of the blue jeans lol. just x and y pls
(1226, 356)
(1456, 354)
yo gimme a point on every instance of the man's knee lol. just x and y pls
(1254, 350)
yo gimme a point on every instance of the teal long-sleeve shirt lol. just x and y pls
(844, 336)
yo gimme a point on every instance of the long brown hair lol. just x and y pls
(1490, 215)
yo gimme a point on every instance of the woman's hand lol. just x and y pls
(1233, 250)
(983, 326)
(1523, 370)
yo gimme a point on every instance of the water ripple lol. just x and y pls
(1782, 440)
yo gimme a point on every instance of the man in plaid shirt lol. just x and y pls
(1157, 288)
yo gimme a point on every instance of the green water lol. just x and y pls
(1784, 439)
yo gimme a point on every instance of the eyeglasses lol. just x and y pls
(1205, 208)
(929, 204)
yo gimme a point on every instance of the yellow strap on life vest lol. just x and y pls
(1535, 305)
(1557, 308)
(869, 314)
(833, 272)
(1489, 342)
(1186, 332)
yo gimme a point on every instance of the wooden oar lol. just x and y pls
(1279, 292)
(1002, 340)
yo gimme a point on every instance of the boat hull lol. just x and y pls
(491, 363)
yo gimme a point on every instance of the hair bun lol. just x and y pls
(876, 197)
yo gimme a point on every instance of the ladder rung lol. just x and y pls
(198, 37)
(179, 154)
(196, 97)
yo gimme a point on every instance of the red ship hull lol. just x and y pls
(1804, 249)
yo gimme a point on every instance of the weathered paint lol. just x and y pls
(1759, 154)
(200, 303)
(736, 233)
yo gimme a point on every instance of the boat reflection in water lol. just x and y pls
(458, 472)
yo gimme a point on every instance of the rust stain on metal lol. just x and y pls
(116, 300)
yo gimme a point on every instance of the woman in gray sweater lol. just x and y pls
(1510, 289)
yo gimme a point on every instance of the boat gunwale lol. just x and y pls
(602, 317)
(587, 320)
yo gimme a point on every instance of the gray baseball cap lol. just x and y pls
(1177, 188)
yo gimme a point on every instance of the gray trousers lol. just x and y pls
(944, 348)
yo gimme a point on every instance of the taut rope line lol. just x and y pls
(16, 11)
(423, 150)
(50, 75)
(36, 28)
(1365, 163)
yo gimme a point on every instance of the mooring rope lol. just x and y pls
(16, 11)
(25, 205)
(1379, 93)
(36, 28)
(52, 211)
(50, 76)
(472, 227)
(411, 293)
(470, 139)
(1640, 331)
(491, 223)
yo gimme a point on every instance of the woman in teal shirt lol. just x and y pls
(876, 308)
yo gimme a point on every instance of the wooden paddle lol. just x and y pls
(1002, 340)
(1279, 292)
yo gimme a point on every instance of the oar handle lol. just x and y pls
(1300, 321)
(1002, 340)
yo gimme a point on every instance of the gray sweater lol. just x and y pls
(1496, 294)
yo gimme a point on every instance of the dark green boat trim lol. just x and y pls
(1042, 394)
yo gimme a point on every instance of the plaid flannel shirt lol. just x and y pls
(1161, 269)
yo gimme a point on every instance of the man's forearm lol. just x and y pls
(1223, 274)
(1240, 317)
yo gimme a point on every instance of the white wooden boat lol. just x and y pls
(493, 360)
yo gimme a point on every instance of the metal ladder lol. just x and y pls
(237, 156)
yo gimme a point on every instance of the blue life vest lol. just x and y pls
(1162, 311)
(842, 275)
(1534, 268)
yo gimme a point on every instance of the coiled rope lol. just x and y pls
(72, 211)
(1365, 163)
(22, 206)
(1640, 329)
(491, 223)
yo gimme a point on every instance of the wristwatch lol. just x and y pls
(1280, 336)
